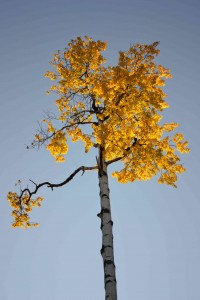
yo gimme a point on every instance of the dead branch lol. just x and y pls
(53, 185)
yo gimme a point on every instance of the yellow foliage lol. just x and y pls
(50, 127)
(58, 146)
(120, 104)
(38, 137)
(117, 109)
(21, 207)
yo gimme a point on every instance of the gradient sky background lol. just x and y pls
(156, 227)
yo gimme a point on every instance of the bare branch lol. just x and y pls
(46, 136)
(53, 185)
(33, 182)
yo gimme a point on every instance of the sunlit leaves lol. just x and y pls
(58, 146)
(115, 108)
(22, 205)
(181, 145)
(121, 104)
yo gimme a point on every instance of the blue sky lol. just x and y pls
(156, 227)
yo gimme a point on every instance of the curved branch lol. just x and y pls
(52, 185)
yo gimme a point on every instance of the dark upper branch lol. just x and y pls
(52, 185)
(120, 157)
(114, 160)
(46, 136)
(97, 109)
(120, 97)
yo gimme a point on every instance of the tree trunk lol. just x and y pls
(107, 252)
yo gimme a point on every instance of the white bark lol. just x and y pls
(107, 235)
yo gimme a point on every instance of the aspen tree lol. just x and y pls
(116, 110)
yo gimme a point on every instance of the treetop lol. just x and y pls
(117, 109)
(122, 105)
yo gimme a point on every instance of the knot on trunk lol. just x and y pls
(103, 248)
(109, 262)
(111, 222)
(102, 195)
(103, 211)
(102, 173)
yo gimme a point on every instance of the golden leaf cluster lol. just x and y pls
(115, 108)
(122, 105)
(21, 208)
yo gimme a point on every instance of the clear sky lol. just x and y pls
(156, 227)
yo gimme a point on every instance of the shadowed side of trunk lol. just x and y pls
(107, 251)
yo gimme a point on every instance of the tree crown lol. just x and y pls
(115, 108)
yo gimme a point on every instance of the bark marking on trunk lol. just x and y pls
(107, 235)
